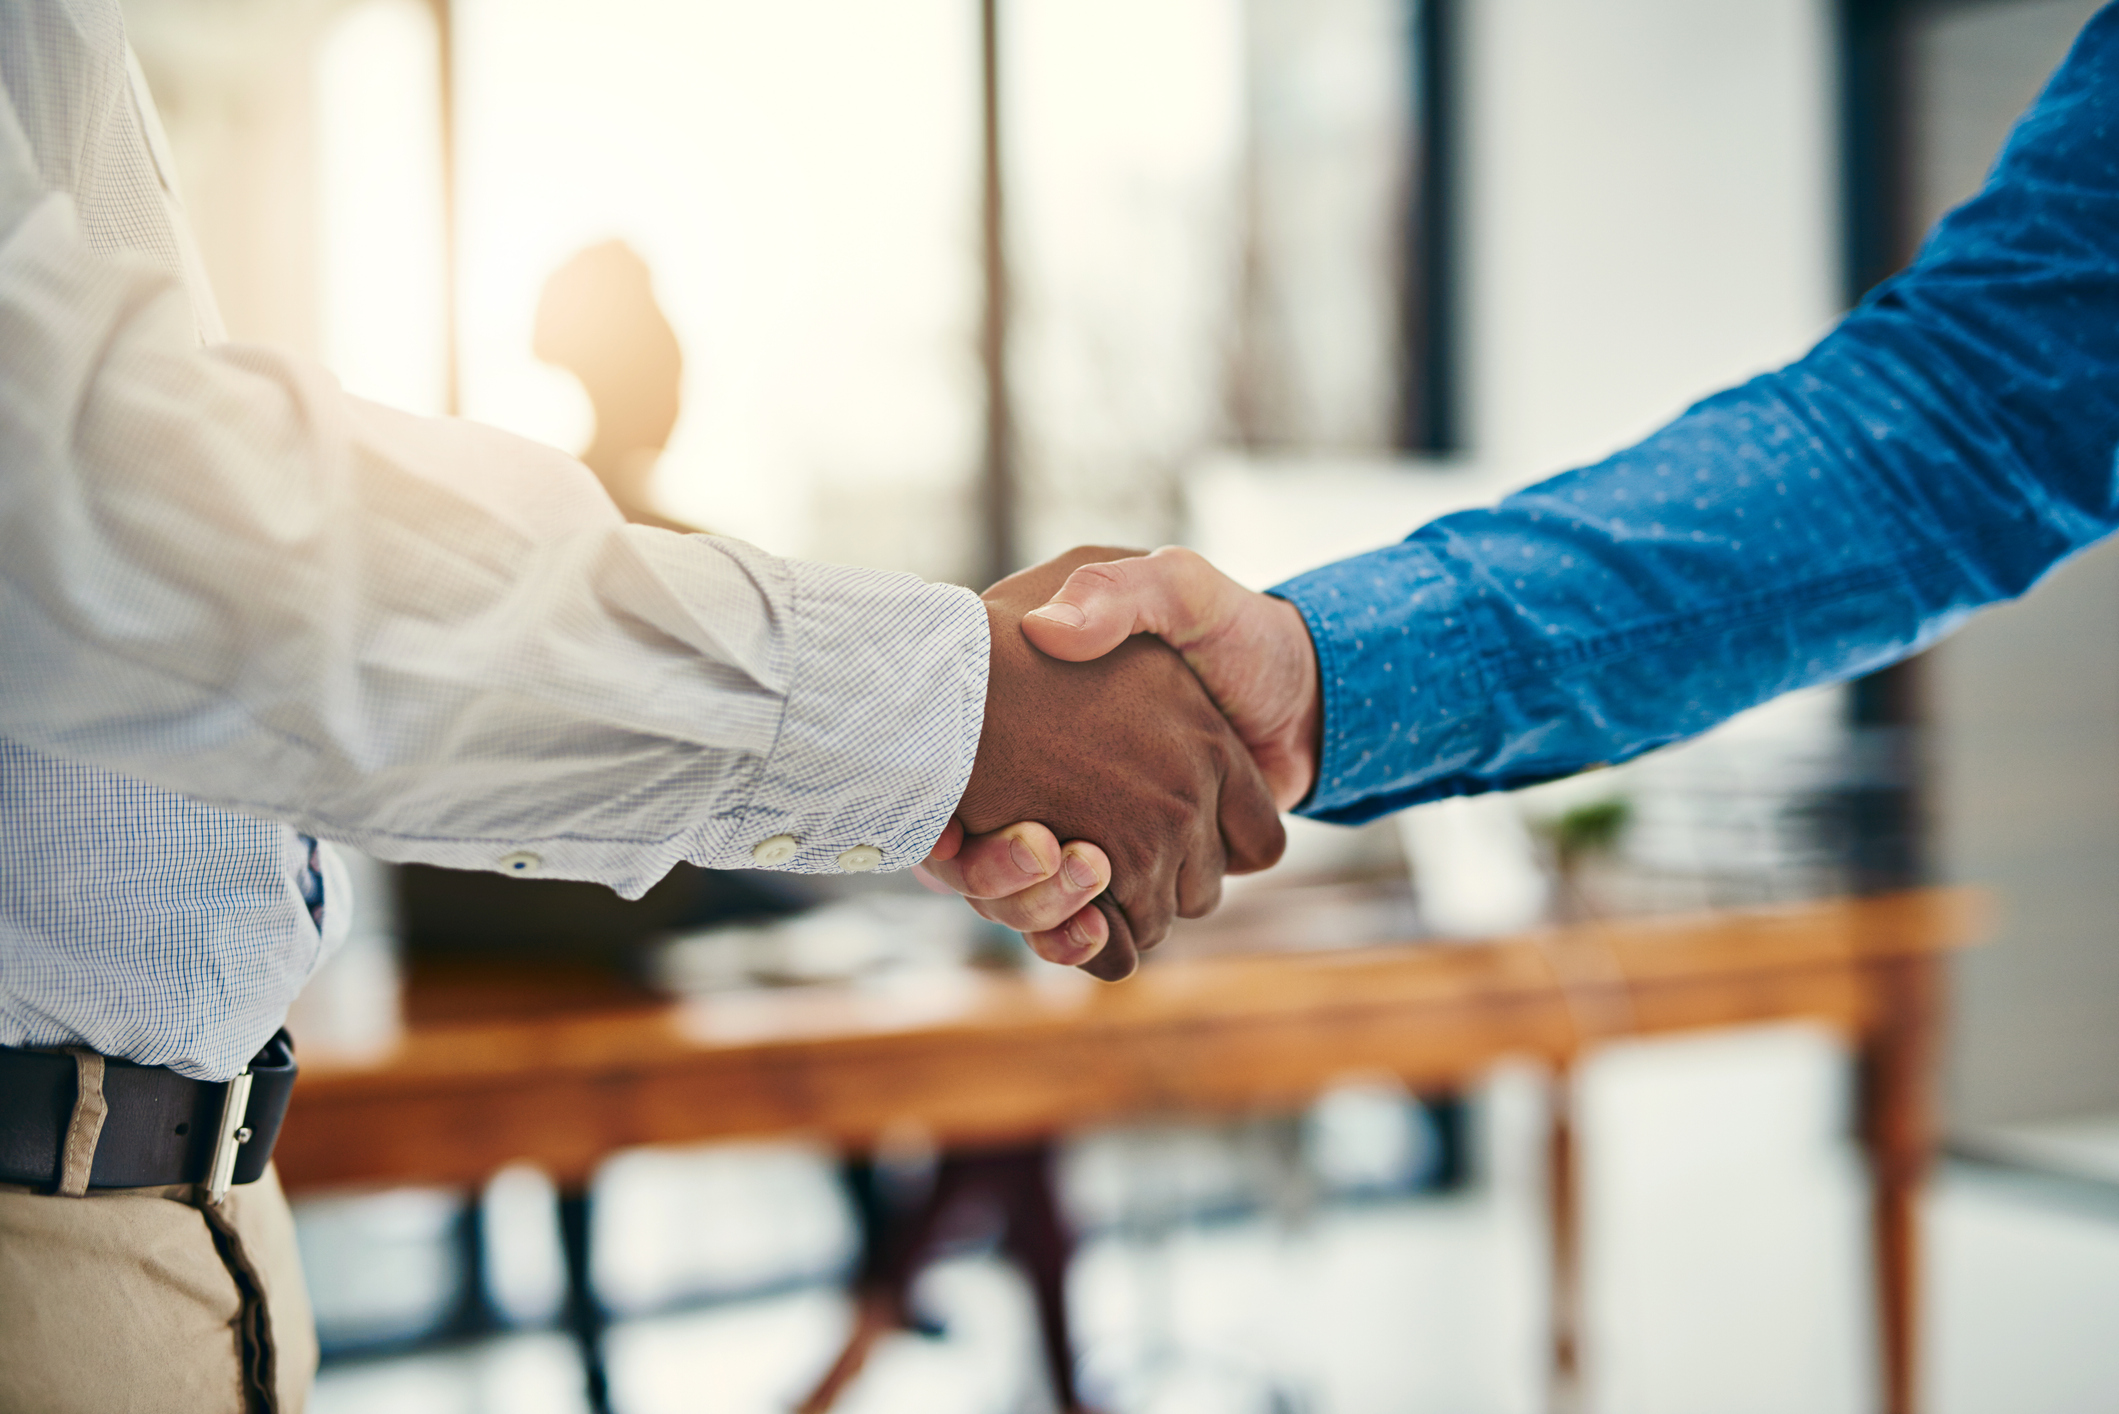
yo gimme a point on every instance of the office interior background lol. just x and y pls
(957, 286)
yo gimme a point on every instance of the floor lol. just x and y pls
(1726, 1266)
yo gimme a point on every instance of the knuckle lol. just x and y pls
(1051, 946)
(1045, 914)
(1026, 912)
(1114, 963)
(1203, 902)
(993, 871)
(1106, 575)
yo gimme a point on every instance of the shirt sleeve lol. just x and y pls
(1945, 446)
(423, 637)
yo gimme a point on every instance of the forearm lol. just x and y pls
(1546, 635)
(423, 637)
(1941, 450)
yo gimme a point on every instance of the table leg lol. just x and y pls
(1563, 1181)
(1449, 1115)
(474, 1314)
(1898, 1061)
(893, 1239)
(875, 1316)
(1038, 1239)
(1015, 1185)
(585, 1318)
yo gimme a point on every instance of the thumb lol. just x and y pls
(1102, 605)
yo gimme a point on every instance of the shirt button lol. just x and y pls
(777, 850)
(860, 859)
(521, 862)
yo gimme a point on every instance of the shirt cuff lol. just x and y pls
(1405, 699)
(885, 701)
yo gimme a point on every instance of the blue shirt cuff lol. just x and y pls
(1405, 700)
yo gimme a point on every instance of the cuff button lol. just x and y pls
(860, 859)
(777, 850)
(521, 862)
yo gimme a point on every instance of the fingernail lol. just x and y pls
(1079, 935)
(1025, 858)
(1065, 615)
(1080, 872)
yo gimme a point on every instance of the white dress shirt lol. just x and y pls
(221, 576)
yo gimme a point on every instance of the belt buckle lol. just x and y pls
(232, 1135)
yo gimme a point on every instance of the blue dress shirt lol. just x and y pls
(1946, 445)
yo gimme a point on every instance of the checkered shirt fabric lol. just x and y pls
(239, 608)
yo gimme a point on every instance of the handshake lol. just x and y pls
(1162, 765)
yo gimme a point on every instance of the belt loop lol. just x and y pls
(86, 1125)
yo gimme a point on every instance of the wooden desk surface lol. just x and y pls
(975, 1058)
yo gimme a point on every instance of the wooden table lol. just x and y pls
(993, 1059)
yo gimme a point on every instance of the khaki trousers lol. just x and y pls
(140, 1301)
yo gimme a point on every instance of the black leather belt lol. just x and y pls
(162, 1127)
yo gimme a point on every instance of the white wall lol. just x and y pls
(2024, 747)
(232, 80)
(801, 181)
(1650, 212)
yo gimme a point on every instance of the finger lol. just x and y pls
(1199, 878)
(1144, 897)
(1120, 958)
(1202, 861)
(1002, 863)
(951, 841)
(1252, 834)
(1173, 593)
(1074, 942)
(1084, 873)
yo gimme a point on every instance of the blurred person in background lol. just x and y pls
(597, 318)
(1943, 448)
(243, 612)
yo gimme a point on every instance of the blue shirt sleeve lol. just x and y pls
(1947, 444)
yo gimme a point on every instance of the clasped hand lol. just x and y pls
(1161, 764)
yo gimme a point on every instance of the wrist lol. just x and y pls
(988, 792)
(1299, 741)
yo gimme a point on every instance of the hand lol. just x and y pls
(1023, 878)
(1251, 650)
(1129, 750)
(1255, 656)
